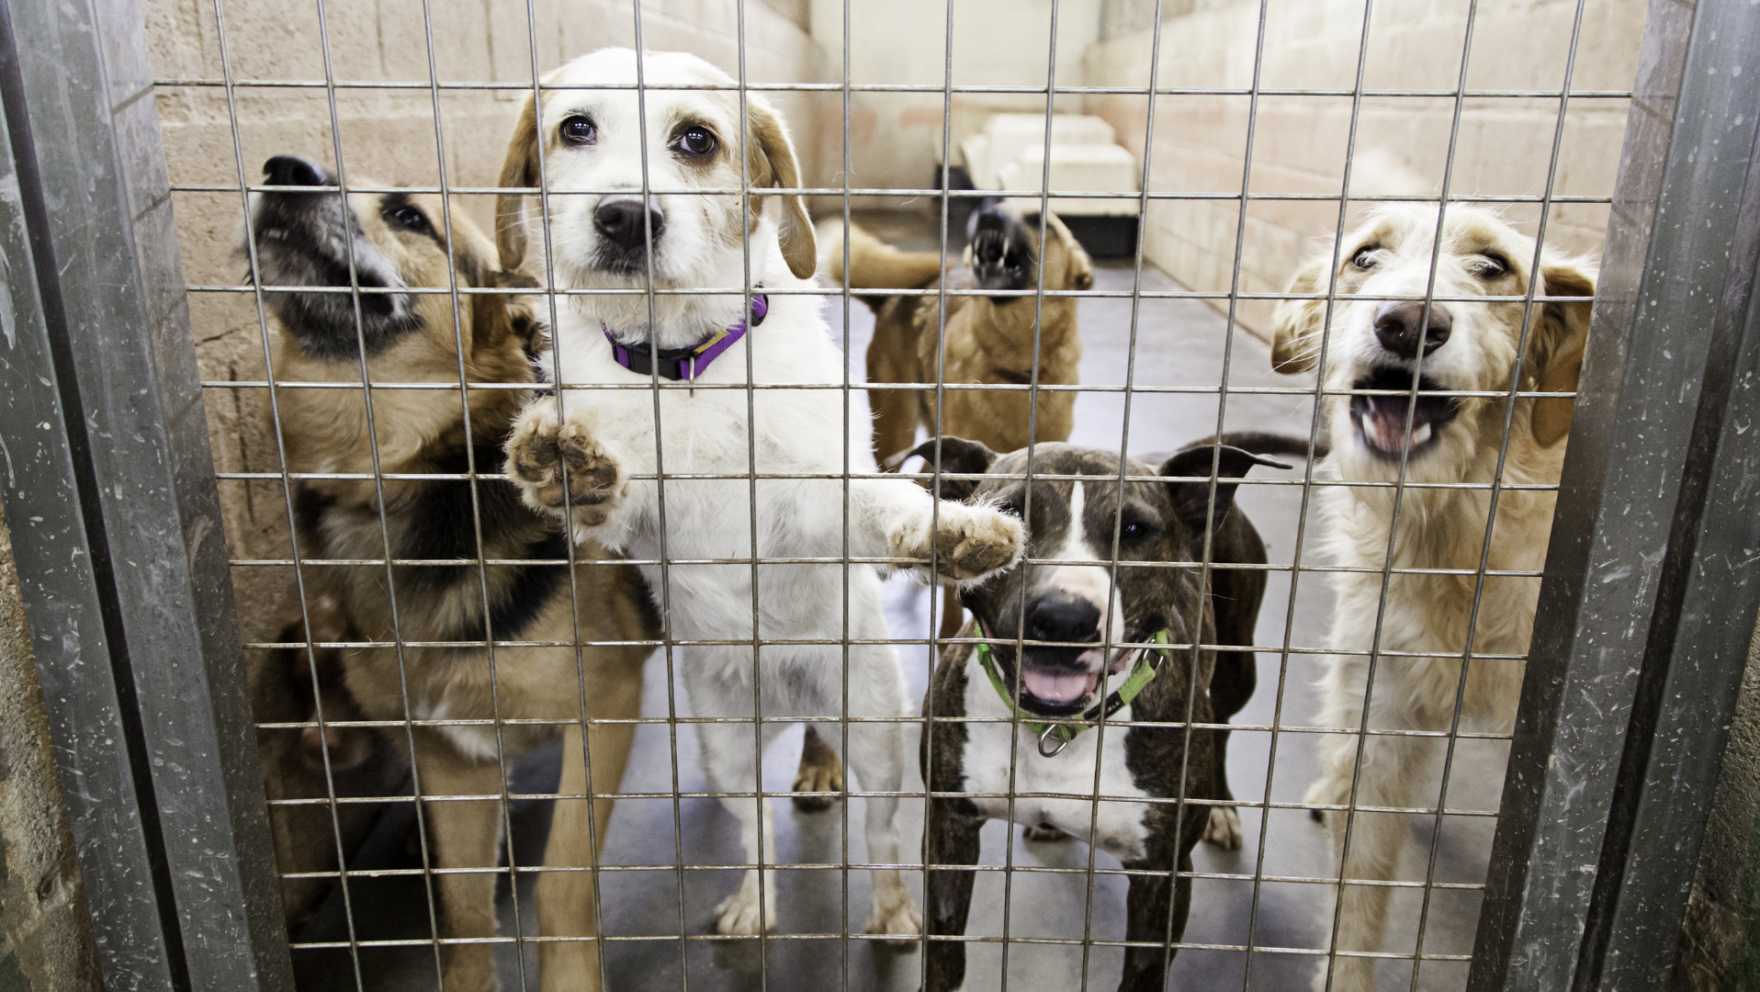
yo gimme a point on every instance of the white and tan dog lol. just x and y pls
(1466, 345)
(591, 141)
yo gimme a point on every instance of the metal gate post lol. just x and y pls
(1653, 575)
(110, 492)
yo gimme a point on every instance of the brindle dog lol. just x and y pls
(1064, 602)
(394, 242)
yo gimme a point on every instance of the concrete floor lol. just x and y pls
(1179, 342)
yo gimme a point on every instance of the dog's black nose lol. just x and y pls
(291, 170)
(1063, 619)
(1398, 326)
(620, 222)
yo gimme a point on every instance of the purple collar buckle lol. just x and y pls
(684, 364)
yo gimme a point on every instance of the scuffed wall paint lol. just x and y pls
(48, 940)
(1720, 938)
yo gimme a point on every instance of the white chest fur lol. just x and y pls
(1058, 790)
(729, 432)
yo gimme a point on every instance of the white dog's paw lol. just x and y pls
(820, 772)
(1224, 828)
(1324, 792)
(542, 444)
(1044, 833)
(894, 913)
(969, 542)
(737, 916)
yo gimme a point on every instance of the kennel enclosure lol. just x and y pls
(1640, 641)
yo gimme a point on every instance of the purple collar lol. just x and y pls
(684, 363)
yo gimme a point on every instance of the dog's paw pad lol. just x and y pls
(974, 543)
(1044, 833)
(1224, 828)
(544, 448)
(821, 779)
(737, 916)
(895, 917)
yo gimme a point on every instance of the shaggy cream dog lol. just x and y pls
(1374, 343)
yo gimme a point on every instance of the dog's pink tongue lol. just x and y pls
(1055, 687)
(1387, 421)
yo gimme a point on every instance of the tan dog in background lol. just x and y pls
(395, 241)
(989, 340)
(1466, 345)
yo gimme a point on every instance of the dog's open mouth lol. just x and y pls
(1381, 420)
(1059, 681)
(1002, 256)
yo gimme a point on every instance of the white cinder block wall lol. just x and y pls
(895, 138)
(1504, 147)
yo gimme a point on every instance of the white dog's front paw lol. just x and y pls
(968, 542)
(542, 444)
(1325, 791)
(1224, 828)
(894, 913)
(738, 914)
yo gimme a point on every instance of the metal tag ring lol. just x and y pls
(1062, 742)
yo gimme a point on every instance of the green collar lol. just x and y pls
(1143, 671)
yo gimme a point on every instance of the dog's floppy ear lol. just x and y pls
(520, 169)
(1555, 348)
(1192, 495)
(1298, 324)
(959, 456)
(771, 161)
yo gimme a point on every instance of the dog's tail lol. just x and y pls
(1266, 443)
(874, 264)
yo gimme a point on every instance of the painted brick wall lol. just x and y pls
(1402, 143)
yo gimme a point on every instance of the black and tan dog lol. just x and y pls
(291, 688)
(397, 241)
(1066, 605)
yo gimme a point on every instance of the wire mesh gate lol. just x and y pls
(134, 624)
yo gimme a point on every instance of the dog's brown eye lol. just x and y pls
(411, 219)
(696, 141)
(1365, 257)
(578, 130)
(1133, 531)
(1492, 266)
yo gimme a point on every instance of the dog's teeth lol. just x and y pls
(1421, 435)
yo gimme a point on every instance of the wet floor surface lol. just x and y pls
(1178, 343)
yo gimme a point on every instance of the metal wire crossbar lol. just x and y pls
(1256, 949)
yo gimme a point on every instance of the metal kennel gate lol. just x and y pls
(1639, 646)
